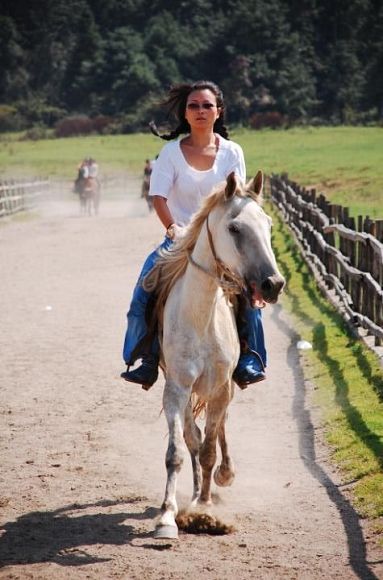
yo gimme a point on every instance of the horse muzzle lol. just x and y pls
(272, 287)
(267, 292)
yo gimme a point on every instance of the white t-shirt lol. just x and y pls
(185, 187)
(84, 171)
(93, 170)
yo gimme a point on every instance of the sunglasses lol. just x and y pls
(197, 106)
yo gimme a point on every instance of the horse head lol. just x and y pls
(241, 233)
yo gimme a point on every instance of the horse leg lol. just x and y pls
(208, 451)
(224, 473)
(175, 401)
(96, 201)
(192, 436)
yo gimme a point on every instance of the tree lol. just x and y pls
(13, 74)
(297, 58)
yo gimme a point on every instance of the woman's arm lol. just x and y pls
(162, 210)
(173, 231)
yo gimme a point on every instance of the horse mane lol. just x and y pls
(172, 263)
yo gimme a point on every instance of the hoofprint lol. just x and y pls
(230, 253)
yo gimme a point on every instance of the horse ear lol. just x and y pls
(231, 185)
(255, 187)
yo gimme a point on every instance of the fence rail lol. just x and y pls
(341, 258)
(15, 197)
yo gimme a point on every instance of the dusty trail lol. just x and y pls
(82, 452)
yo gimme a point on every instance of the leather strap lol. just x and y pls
(229, 281)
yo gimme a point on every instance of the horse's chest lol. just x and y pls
(200, 345)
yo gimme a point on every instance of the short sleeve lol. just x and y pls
(162, 176)
(237, 162)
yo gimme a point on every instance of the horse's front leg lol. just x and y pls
(208, 452)
(175, 400)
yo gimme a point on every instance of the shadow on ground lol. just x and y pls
(351, 522)
(57, 536)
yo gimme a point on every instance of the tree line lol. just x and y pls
(277, 61)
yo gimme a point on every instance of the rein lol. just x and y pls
(228, 280)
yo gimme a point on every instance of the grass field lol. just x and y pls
(345, 163)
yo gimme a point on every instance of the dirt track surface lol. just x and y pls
(82, 452)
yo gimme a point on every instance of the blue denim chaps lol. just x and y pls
(250, 329)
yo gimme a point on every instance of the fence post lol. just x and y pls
(351, 264)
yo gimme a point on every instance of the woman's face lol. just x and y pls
(201, 109)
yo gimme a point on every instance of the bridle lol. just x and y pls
(229, 281)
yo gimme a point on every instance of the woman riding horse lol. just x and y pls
(184, 174)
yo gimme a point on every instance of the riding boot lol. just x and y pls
(252, 361)
(146, 374)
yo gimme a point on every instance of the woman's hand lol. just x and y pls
(175, 232)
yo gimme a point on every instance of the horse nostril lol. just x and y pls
(267, 286)
(272, 286)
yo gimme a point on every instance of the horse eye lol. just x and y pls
(234, 229)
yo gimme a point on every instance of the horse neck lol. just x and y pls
(203, 280)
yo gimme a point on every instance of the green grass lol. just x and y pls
(345, 163)
(60, 157)
(347, 376)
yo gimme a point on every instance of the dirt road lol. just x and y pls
(82, 452)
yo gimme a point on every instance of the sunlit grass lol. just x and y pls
(60, 157)
(345, 163)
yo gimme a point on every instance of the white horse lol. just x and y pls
(226, 251)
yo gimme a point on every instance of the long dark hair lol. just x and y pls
(175, 105)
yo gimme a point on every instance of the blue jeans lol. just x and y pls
(250, 329)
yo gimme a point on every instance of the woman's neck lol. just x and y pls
(201, 139)
(200, 149)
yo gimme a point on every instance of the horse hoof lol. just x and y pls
(166, 533)
(221, 480)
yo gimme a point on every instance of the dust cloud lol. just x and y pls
(120, 196)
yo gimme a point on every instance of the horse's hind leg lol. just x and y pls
(193, 439)
(208, 451)
(224, 473)
(175, 400)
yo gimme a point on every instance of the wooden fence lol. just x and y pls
(20, 196)
(344, 254)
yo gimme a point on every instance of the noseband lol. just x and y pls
(228, 280)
